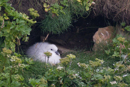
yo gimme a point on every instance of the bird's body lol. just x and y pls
(37, 50)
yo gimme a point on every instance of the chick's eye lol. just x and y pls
(51, 49)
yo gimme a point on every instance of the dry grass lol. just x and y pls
(118, 10)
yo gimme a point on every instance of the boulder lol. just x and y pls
(103, 36)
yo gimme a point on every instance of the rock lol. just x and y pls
(103, 36)
(64, 50)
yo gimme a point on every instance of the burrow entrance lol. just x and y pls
(78, 36)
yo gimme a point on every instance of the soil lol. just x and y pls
(80, 35)
(24, 5)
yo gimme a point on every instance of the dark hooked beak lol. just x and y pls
(57, 53)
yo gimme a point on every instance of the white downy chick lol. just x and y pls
(37, 50)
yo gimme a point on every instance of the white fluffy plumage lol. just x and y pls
(37, 50)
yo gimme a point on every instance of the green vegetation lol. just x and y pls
(127, 28)
(60, 14)
(57, 24)
(100, 69)
(14, 26)
(104, 69)
(109, 68)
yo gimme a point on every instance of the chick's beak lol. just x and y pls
(57, 53)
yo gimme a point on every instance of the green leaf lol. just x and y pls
(45, 5)
(123, 24)
(127, 28)
(98, 76)
(64, 2)
(21, 21)
(107, 52)
(34, 82)
(115, 40)
(87, 8)
(56, 5)
(116, 54)
(15, 84)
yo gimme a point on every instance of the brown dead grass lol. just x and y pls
(118, 10)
